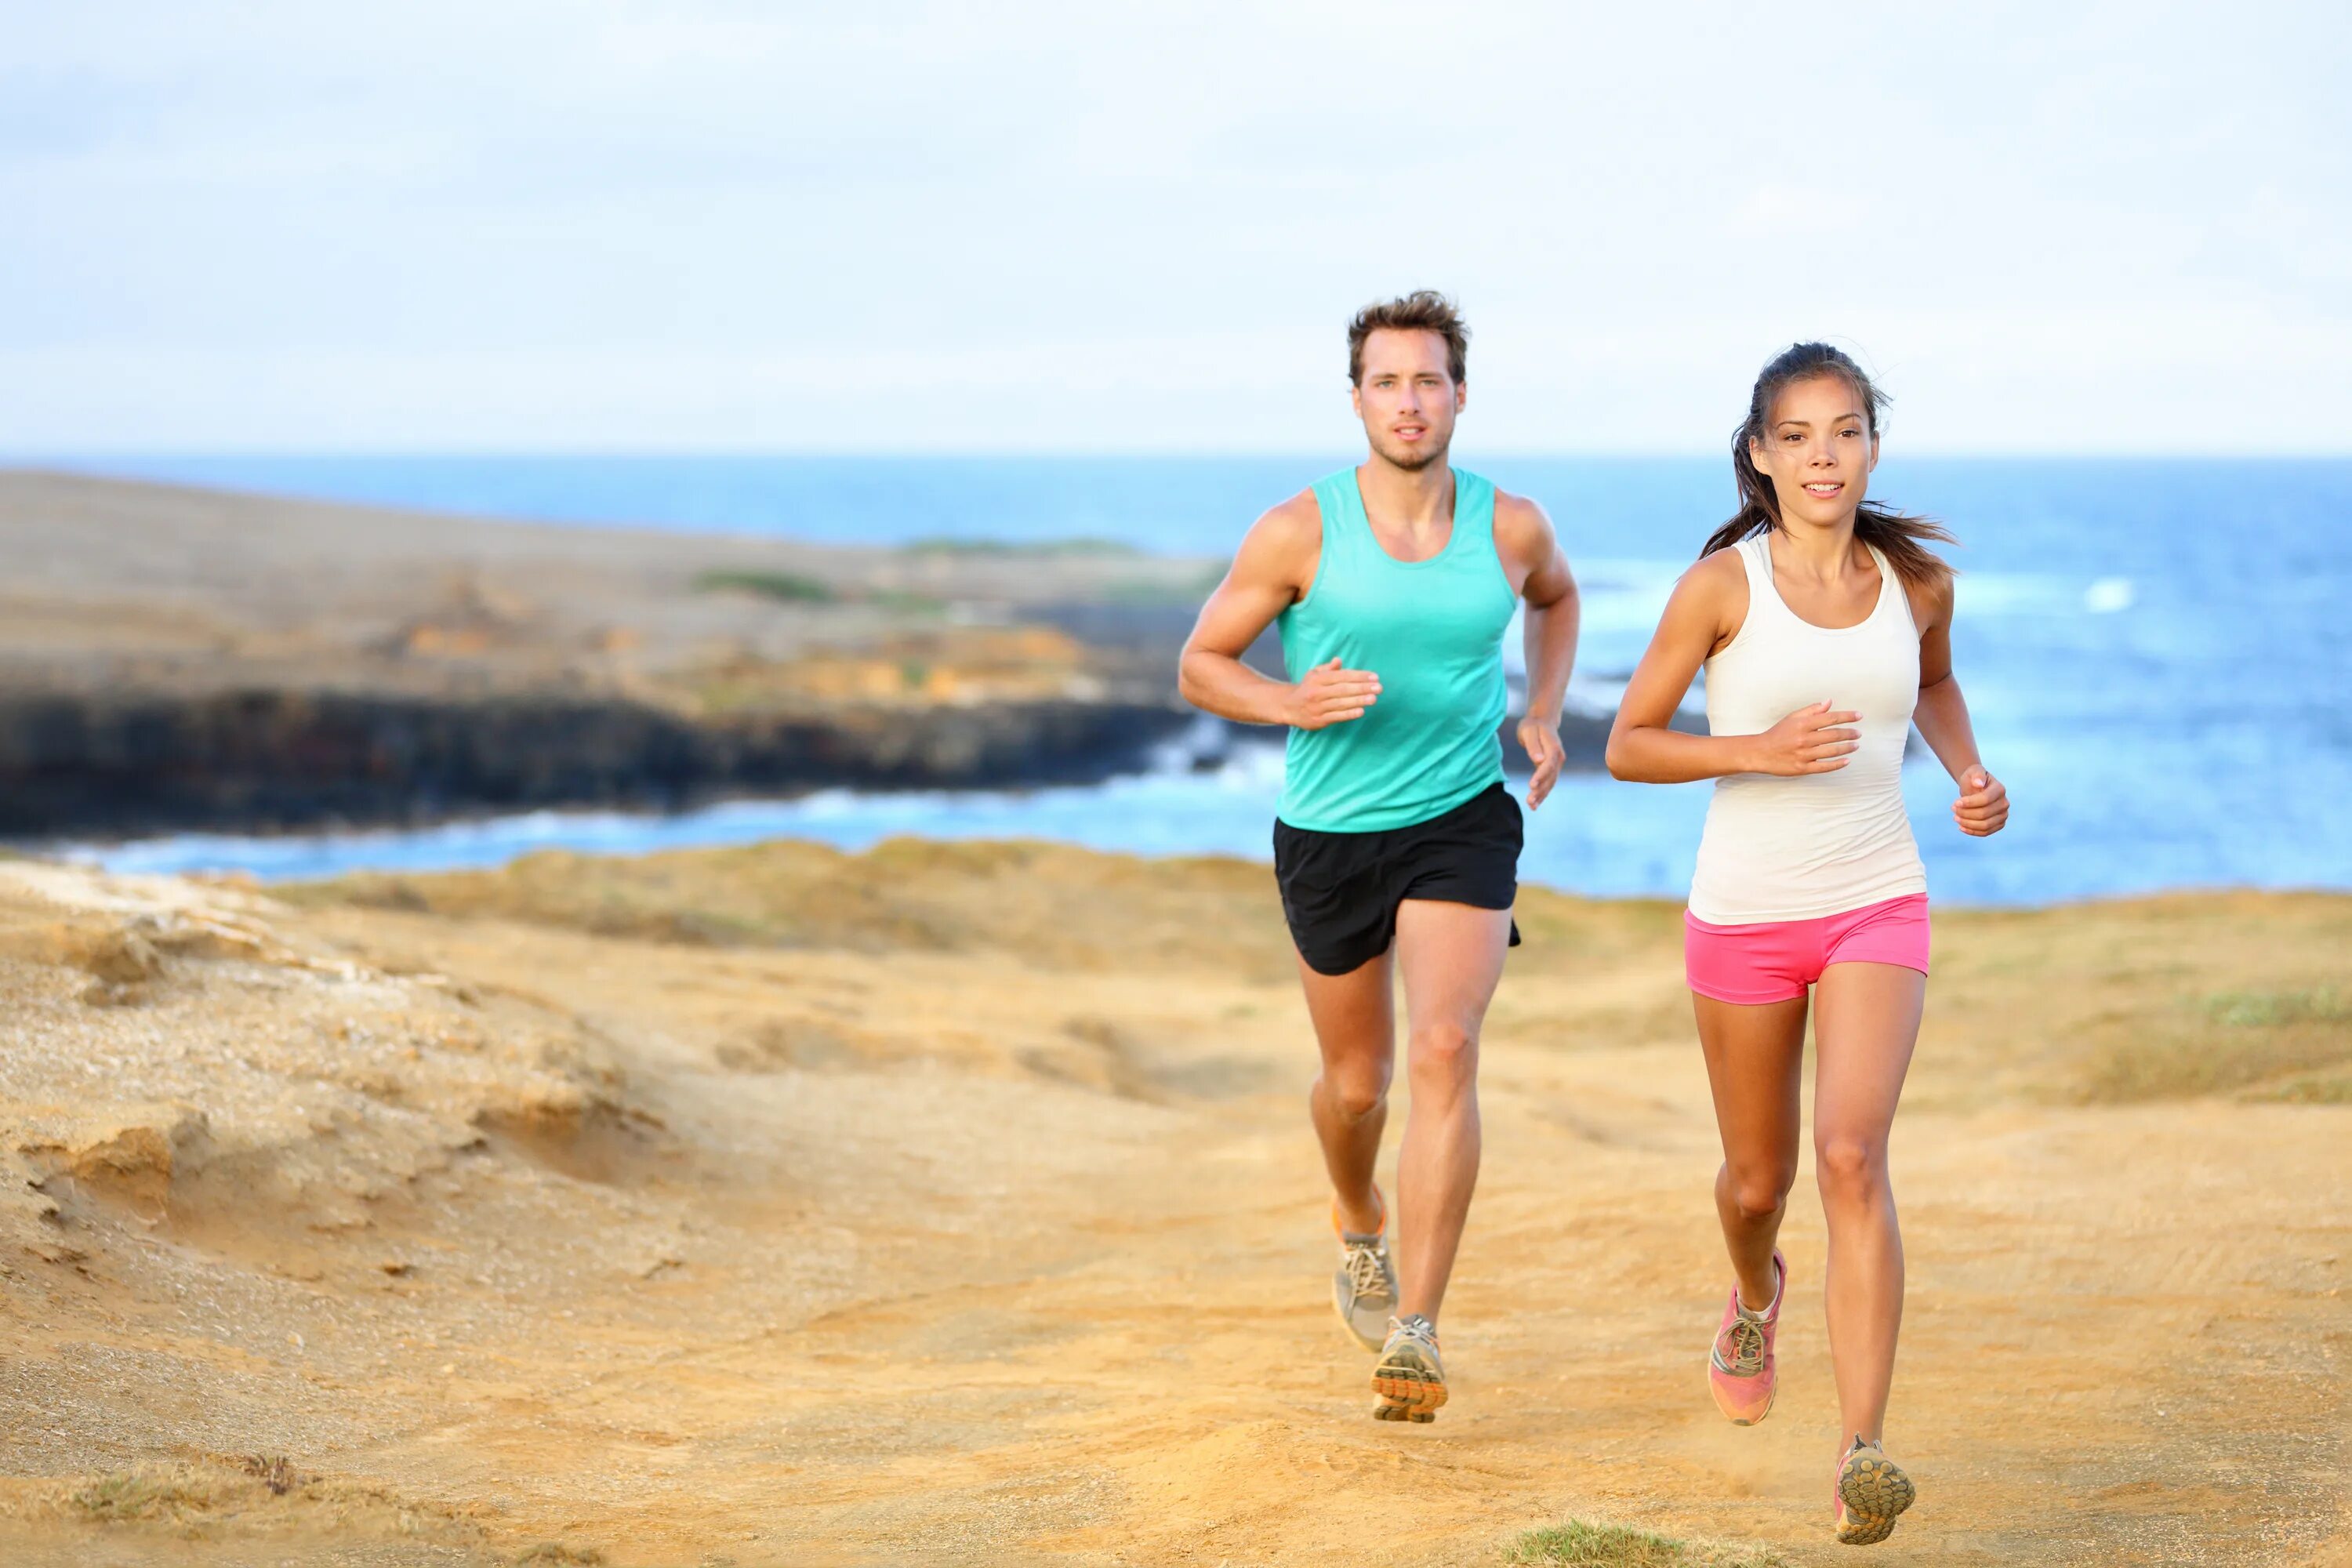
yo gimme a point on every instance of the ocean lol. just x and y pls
(2150, 647)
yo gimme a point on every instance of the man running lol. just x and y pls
(1396, 846)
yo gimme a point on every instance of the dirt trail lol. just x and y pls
(955, 1206)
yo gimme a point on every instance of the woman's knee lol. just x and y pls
(1850, 1167)
(1758, 1190)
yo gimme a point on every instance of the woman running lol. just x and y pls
(1824, 624)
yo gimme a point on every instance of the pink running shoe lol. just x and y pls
(1740, 1371)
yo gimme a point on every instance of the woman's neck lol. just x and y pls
(1824, 553)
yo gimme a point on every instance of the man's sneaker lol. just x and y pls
(1410, 1379)
(1871, 1490)
(1364, 1290)
(1739, 1370)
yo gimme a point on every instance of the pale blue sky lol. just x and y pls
(508, 224)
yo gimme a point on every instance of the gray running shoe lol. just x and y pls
(1364, 1290)
(1409, 1378)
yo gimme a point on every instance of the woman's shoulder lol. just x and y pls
(1718, 572)
(1711, 596)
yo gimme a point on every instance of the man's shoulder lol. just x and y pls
(1295, 522)
(1521, 512)
(1520, 520)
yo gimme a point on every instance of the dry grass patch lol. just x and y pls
(1046, 903)
(2133, 1000)
(145, 1495)
(1051, 904)
(2272, 1043)
(1577, 1544)
(179, 1493)
(2110, 1002)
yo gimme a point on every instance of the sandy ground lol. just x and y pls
(955, 1204)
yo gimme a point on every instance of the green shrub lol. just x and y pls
(786, 586)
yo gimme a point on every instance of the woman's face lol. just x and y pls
(1817, 449)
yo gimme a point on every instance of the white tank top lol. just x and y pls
(1817, 844)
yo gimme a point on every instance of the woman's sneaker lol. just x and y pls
(1409, 1378)
(1871, 1490)
(1364, 1290)
(1739, 1368)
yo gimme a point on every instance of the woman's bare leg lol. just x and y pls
(1865, 1025)
(1755, 1059)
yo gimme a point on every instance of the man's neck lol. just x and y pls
(1409, 497)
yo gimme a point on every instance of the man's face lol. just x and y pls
(1407, 399)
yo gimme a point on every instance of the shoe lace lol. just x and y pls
(1418, 1329)
(1740, 1347)
(1367, 1265)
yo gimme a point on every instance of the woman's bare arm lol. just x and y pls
(1704, 612)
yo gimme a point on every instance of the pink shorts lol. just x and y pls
(1773, 961)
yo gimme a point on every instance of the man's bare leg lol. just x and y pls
(1355, 1028)
(1452, 957)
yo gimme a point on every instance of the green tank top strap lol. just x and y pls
(1346, 528)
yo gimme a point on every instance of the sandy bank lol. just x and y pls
(951, 1204)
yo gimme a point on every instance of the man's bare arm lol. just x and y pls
(1274, 568)
(1532, 557)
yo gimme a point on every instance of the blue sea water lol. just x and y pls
(2154, 652)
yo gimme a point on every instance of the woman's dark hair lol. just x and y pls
(1899, 536)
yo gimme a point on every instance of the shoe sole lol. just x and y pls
(1398, 1412)
(1875, 1492)
(1410, 1390)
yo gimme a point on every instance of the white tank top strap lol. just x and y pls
(1755, 555)
(1891, 590)
(1756, 560)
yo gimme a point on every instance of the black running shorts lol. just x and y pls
(1341, 890)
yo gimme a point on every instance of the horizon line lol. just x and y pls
(34, 461)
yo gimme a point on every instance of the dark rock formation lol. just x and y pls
(264, 758)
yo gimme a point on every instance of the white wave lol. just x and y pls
(2107, 595)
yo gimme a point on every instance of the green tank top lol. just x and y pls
(1433, 631)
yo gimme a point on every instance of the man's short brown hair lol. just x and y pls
(1422, 310)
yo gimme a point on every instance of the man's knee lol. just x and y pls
(1355, 1092)
(1445, 1050)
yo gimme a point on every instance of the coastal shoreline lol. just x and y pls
(173, 658)
(176, 660)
